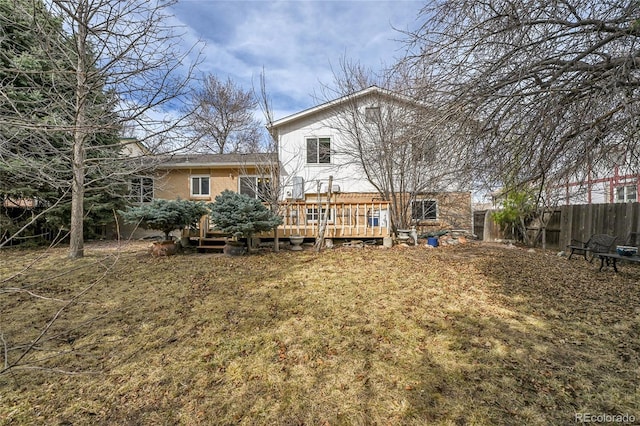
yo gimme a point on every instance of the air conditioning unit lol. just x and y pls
(325, 188)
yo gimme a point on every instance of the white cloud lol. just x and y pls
(296, 42)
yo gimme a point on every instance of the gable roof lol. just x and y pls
(134, 147)
(371, 90)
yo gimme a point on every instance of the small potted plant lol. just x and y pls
(166, 216)
(241, 216)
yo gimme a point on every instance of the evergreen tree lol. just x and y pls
(99, 65)
(37, 83)
(166, 215)
(241, 216)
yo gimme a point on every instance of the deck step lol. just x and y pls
(213, 234)
(214, 239)
(219, 249)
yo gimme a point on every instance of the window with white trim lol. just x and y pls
(312, 215)
(255, 187)
(200, 186)
(318, 150)
(626, 194)
(424, 210)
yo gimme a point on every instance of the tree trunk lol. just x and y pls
(76, 238)
(276, 240)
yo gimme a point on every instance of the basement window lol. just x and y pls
(424, 210)
(312, 215)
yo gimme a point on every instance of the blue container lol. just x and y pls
(432, 241)
(627, 250)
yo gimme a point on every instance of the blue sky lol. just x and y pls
(297, 42)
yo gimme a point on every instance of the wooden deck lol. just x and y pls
(345, 220)
(357, 220)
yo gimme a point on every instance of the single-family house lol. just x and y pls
(320, 183)
(321, 167)
(615, 185)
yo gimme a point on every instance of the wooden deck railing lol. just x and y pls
(346, 220)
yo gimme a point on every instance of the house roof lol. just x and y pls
(371, 90)
(134, 146)
(216, 160)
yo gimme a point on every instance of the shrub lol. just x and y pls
(166, 215)
(241, 216)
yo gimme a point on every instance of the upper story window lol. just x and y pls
(200, 186)
(372, 114)
(627, 193)
(141, 190)
(424, 210)
(318, 150)
(255, 187)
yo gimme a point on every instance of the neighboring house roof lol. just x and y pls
(216, 160)
(133, 147)
(23, 203)
(372, 90)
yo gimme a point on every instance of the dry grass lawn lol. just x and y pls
(477, 334)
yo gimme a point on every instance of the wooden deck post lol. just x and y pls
(323, 226)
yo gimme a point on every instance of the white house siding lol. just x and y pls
(579, 193)
(601, 189)
(293, 158)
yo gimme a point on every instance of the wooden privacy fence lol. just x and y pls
(581, 221)
(485, 228)
(573, 222)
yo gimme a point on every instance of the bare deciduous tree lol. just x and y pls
(73, 74)
(113, 64)
(552, 87)
(269, 179)
(401, 145)
(223, 121)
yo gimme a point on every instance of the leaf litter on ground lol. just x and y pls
(473, 334)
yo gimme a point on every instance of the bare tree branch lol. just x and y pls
(223, 120)
(552, 85)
